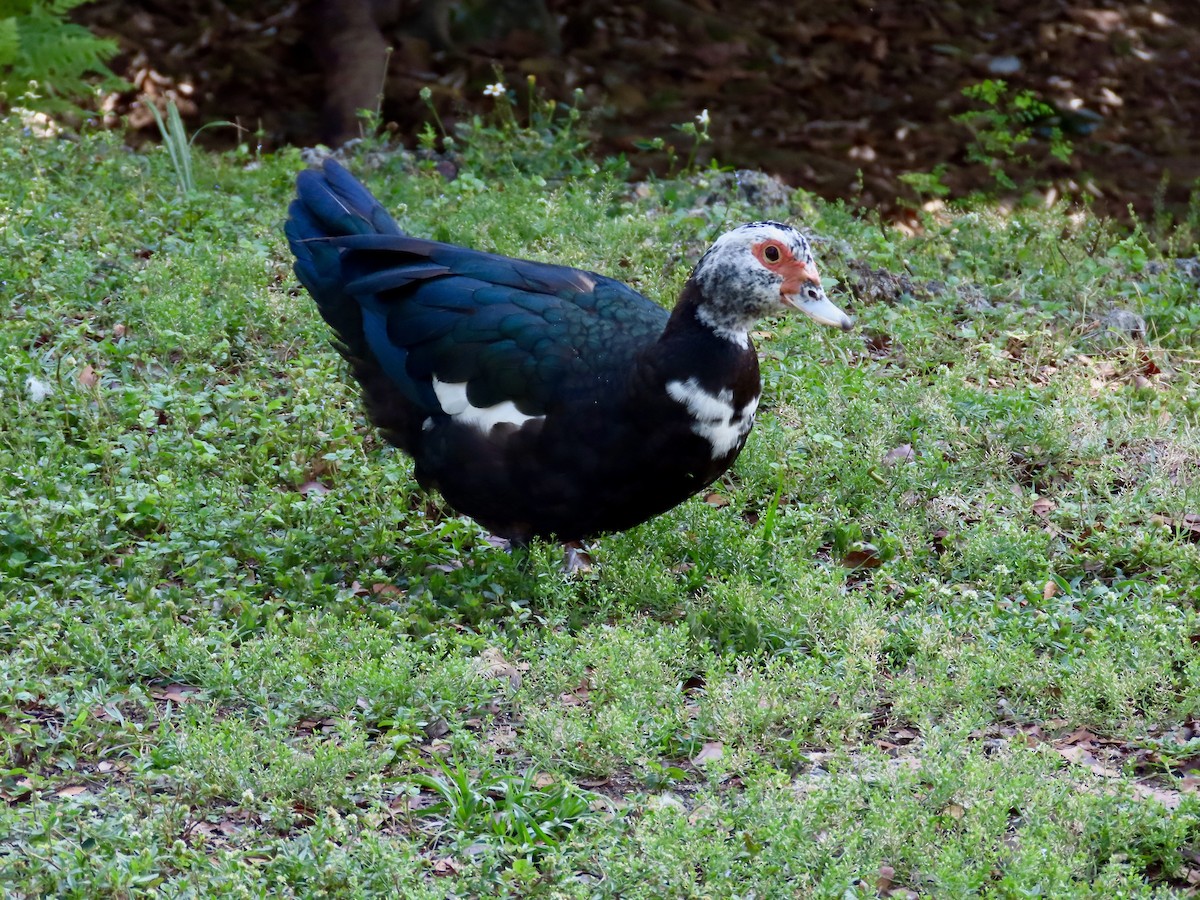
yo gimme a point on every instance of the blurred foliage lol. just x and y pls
(47, 62)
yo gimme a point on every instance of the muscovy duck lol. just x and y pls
(542, 400)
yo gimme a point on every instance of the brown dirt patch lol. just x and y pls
(816, 96)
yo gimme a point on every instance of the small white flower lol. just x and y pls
(38, 390)
(703, 119)
(494, 90)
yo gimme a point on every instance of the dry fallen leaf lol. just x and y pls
(502, 738)
(492, 664)
(576, 559)
(1043, 506)
(862, 555)
(877, 343)
(715, 500)
(88, 376)
(1187, 526)
(955, 811)
(940, 540)
(577, 697)
(16, 790)
(1168, 798)
(887, 877)
(710, 751)
(228, 827)
(175, 693)
(902, 454)
(1080, 755)
(73, 791)
(446, 866)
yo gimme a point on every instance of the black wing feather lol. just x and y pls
(511, 329)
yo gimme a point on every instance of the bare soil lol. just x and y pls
(838, 98)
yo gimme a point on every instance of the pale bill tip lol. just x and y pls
(822, 310)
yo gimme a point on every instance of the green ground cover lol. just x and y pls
(934, 635)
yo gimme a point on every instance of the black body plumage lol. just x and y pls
(541, 400)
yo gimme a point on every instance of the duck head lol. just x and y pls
(758, 270)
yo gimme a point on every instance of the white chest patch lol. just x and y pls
(716, 418)
(454, 403)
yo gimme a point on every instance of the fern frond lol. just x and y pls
(11, 8)
(51, 51)
(62, 49)
(53, 8)
(10, 42)
(60, 8)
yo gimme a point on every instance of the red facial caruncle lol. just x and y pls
(777, 257)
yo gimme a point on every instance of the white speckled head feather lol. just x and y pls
(757, 270)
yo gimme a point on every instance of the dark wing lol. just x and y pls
(510, 330)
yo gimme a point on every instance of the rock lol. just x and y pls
(1121, 323)
(1004, 65)
(758, 189)
(876, 285)
(368, 158)
(1187, 269)
(971, 296)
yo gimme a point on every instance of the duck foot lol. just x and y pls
(518, 550)
(576, 556)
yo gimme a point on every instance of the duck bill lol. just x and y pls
(820, 310)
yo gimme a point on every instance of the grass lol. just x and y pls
(243, 655)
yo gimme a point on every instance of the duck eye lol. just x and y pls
(771, 253)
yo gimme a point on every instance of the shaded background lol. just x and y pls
(814, 92)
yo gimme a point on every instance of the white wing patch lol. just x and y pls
(453, 399)
(717, 420)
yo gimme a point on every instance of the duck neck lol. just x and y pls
(696, 320)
